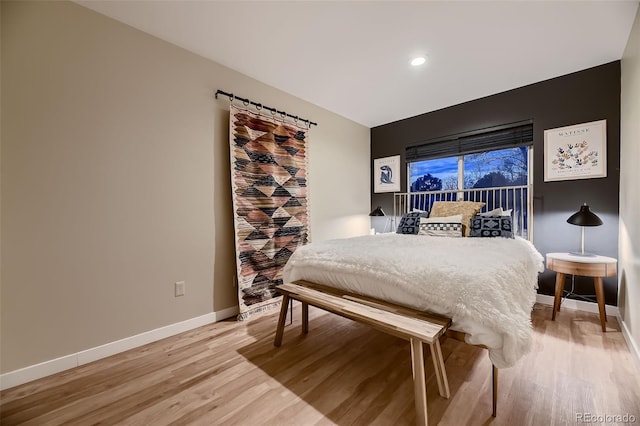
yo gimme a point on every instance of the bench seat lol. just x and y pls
(415, 326)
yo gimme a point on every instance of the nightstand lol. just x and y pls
(586, 266)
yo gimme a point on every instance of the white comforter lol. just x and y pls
(487, 286)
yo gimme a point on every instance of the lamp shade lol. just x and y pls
(377, 212)
(584, 217)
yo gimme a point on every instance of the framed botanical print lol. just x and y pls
(386, 174)
(576, 152)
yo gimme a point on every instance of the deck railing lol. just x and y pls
(518, 198)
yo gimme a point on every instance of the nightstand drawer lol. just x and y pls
(583, 269)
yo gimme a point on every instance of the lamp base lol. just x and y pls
(581, 254)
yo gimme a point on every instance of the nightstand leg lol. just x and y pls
(559, 287)
(600, 296)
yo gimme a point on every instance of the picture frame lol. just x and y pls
(578, 151)
(386, 174)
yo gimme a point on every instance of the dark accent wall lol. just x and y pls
(589, 95)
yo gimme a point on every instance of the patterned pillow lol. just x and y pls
(449, 226)
(491, 226)
(410, 223)
(467, 209)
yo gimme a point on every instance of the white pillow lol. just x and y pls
(444, 226)
(497, 212)
(494, 212)
(444, 219)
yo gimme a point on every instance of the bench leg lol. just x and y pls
(305, 317)
(290, 311)
(438, 366)
(495, 391)
(419, 383)
(281, 320)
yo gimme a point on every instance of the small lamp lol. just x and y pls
(379, 212)
(584, 217)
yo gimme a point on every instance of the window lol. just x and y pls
(491, 166)
(498, 168)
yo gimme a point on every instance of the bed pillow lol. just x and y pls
(491, 226)
(449, 226)
(467, 209)
(495, 212)
(410, 222)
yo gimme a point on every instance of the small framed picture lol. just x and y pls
(576, 152)
(386, 174)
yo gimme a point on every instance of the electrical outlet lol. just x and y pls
(180, 288)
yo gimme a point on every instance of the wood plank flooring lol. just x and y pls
(341, 373)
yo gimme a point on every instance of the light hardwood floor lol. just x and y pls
(341, 373)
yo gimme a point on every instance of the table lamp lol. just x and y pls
(584, 217)
(379, 212)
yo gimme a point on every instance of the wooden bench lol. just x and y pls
(413, 325)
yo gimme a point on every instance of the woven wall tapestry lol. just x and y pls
(269, 186)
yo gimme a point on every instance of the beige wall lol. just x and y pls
(629, 273)
(115, 181)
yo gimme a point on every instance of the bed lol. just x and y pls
(458, 261)
(487, 286)
(439, 261)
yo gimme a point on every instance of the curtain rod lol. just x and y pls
(259, 106)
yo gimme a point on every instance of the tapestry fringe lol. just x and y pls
(242, 316)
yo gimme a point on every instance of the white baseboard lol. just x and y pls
(47, 368)
(633, 346)
(578, 305)
(33, 372)
(226, 313)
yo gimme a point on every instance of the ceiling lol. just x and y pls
(352, 57)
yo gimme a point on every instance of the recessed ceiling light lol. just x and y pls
(418, 61)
